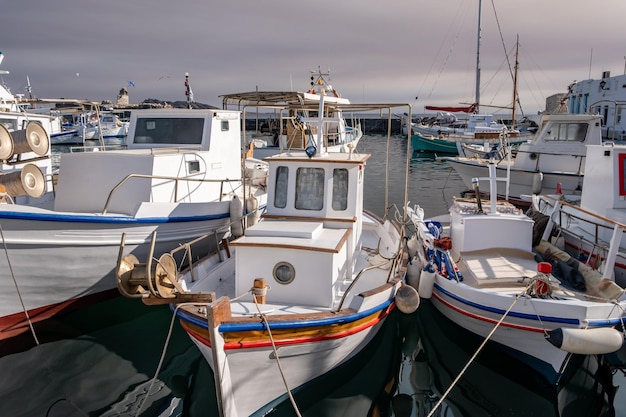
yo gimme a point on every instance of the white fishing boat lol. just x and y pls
(445, 131)
(589, 226)
(294, 128)
(179, 172)
(555, 155)
(300, 293)
(105, 126)
(487, 273)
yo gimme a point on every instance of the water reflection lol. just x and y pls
(495, 384)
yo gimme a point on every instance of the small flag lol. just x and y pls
(131, 84)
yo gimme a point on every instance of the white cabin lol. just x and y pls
(161, 145)
(314, 205)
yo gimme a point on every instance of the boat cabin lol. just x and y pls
(560, 143)
(604, 189)
(170, 156)
(314, 214)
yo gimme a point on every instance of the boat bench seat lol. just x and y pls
(498, 266)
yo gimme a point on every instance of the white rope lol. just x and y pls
(158, 369)
(280, 368)
(17, 288)
(445, 394)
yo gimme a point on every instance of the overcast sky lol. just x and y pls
(377, 51)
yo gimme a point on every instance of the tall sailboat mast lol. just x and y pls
(477, 97)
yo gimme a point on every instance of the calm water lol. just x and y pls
(101, 360)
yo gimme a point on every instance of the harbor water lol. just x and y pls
(122, 358)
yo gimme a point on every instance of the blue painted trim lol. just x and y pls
(79, 218)
(534, 317)
(244, 327)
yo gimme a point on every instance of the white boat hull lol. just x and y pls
(300, 363)
(521, 331)
(522, 182)
(58, 261)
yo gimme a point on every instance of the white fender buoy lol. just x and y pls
(412, 245)
(586, 341)
(537, 182)
(252, 207)
(413, 269)
(407, 299)
(236, 213)
(427, 281)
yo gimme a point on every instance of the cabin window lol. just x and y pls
(310, 188)
(284, 273)
(169, 130)
(340, 189)
(573, 132)
(10, 124)
(224, 125)
(280, 190)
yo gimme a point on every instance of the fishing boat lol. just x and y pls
(102, 127)
(179, 172)
(300, 293)
(490, 272)
(589, 226)
(554, 156)
(445, 132)
(295, 127)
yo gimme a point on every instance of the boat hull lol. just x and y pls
(433, 145)
(55, 262)
(522, 182)
(522, 331)
(304, 353)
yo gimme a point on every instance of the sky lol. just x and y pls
(393, 51)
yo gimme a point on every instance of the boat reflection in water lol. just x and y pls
(494, 384)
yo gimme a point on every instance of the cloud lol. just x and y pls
(389, 51)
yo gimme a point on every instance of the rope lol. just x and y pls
(17, 288)
(32, 329)
(280, 368)
(445, 394)
(158, 369)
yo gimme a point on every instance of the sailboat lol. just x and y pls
(445, 133)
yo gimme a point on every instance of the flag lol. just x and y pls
(131, 84)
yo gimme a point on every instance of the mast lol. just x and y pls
(515, 83)
(477, 97)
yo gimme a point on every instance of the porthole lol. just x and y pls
(284, 273)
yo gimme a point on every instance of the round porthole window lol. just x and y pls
(284, 273)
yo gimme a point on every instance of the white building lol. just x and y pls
(605, 96)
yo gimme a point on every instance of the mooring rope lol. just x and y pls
(17, 288)
(280, 368)
(471, 360)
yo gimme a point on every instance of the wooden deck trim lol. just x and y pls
(336, 249)
(307, 219)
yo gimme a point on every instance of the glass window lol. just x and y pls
(340, 189)
(169, 130)
(567, 132)
(224, 125)
(310, 188)
(280, 191)
(284, 273)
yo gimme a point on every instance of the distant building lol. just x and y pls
(122, 98)
(556, 103)
(605, 96)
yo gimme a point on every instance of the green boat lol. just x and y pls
(432, 144)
